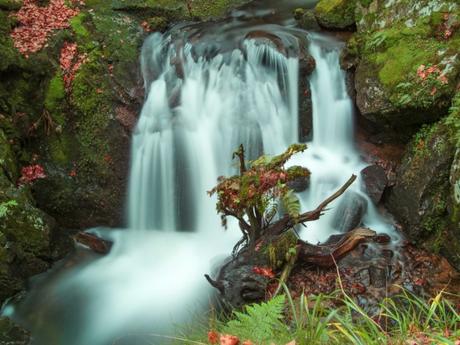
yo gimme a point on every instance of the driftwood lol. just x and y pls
(287, 222)
(327, 254)
(96, 244)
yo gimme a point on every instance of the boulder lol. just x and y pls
(350, 212)
(306, 19)
(306, 67)
(25, 231)
(398, 90)
(425, 197)
(336, 14)
(375, 180)
(302, 183)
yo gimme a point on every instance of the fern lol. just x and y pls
(6, 206)
(259, 323)
(292, 204)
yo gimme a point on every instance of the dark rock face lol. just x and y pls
(423, 199)
(307, 66)
(350, 212)
(12, 334)
(375, 180)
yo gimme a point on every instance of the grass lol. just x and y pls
(334, 319)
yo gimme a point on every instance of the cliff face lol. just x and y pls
(405, 55)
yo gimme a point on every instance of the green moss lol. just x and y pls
(55, 93)
(336, 13)
(10, 5)
(91, 99)
(277, 250)
(77, 25)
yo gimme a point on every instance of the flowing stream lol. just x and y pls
(200, 105)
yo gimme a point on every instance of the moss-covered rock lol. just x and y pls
(408, 62)
(425, 198)
(12, 334)
(336, 14)
(25, 231)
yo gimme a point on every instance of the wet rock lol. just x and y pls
(375, 181)
(350, 212)
(238, 284)
(306, 19)
(12, 334)
(267, 38)
(300, 184)
(307, 66)
(334, 14)
(378, 276)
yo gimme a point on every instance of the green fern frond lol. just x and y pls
(291, 204)
(259, 323)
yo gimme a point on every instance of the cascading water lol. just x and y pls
(198, 109)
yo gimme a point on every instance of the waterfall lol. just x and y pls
(197, 112)
(198, 109)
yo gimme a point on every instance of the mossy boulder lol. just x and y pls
(425, 198)
(12, 334)
(306, 19)
(408, 62)
(336, 14)
(25, 231)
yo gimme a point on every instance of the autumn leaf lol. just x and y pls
(264, 271)
(213, 337)
(227, 339)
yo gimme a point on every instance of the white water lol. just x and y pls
(184, 140)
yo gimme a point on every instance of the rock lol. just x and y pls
(423, 199)
(306, 67)
(306, 19)
(375, 180)
(336, 14)
(393, 91)
(350, 212)
(300, 184)
(25, 231)
(266, 38)
(12, 334)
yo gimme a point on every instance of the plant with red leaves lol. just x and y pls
(31, 173)
(264, 271)
(253, 196)
(227, 339)
(213, 337)
(37, 23)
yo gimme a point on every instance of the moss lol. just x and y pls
(91, 98)
(55, 93)
(78, 27)
(10, 5)
(277, 250)
(338, 14)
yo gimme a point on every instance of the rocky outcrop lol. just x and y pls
(408, 62)
(25, 231)
(425, 197)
